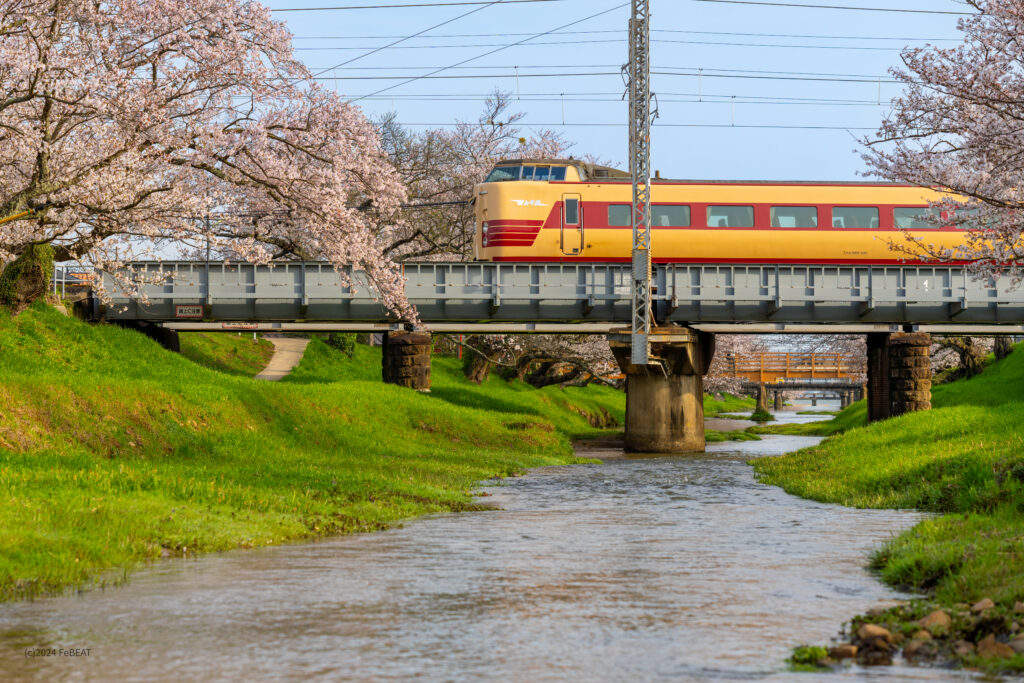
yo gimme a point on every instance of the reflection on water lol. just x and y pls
(680, 567)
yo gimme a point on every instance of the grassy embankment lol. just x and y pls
(230, 353)
(727, 404)
(114, 451)
(963, 460)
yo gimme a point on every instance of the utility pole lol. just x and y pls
(640, 168)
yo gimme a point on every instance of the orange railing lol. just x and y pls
(779, 367)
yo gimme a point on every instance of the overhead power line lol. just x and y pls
(491, 52)
(869, 48)
(582, 74)
(418, 4)
(664, 125)
(846, 7)
(663, 30)
(414, 35)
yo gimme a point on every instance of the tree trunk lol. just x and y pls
(1003, 347)
(26, 278)
(476, 368)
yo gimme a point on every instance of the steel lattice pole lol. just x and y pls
(640, 168)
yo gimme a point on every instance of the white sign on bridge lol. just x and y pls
(188, 311)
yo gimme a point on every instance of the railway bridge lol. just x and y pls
(896, 306)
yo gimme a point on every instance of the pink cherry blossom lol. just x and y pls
(959, 127)
(124, 123)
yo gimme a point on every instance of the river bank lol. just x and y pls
(115, 452)
(964, 462)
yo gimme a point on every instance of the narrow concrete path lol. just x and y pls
(287, 354)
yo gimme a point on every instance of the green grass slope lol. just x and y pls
(965, 460)
(231, 353)
(114, 451)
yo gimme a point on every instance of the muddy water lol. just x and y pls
(682, 568)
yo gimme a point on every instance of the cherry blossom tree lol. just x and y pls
(541, 360)
(124, 123)
(959, 127)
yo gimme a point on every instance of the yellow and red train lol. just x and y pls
(566, 210)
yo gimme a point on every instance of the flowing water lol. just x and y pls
(678, 568)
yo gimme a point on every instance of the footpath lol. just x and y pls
(288, 352)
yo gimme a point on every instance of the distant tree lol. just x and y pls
(959, 126)
(1002, 347)
(440, 166)
(960, 356)
(541, 360)
(123, 122)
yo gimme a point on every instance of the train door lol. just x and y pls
(572, 225)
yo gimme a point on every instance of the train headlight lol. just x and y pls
(483, 229)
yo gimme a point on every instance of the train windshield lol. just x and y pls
(541, 173)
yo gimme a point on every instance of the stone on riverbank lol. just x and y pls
(875, 645)
(919, 648)
(962, 648)
(844, 651)
(1018, 607)
(982, 605)
(1017, 645)
(990, 648)
(936, 622)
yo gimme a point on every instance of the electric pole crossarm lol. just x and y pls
(640, 169)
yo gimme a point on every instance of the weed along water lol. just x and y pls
(683, 568)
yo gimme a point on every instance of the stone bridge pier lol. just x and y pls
(665, 400)
(406, 359)
(899, 374)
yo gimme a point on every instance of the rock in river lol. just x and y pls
(844, 651)
(874, 637)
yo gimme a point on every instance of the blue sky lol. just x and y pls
(781, 86)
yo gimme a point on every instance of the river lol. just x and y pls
(680, 568)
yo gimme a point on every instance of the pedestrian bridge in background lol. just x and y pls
(794, 368)
(569, 297)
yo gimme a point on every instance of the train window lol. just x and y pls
(572, 211)
(854, 217)
(618, 215)
(527, 173)
(794, 216)
(558, 173)
(913, 218)
(503, 173)
(542, 173)
(670, 216)
(972, 216)
(730, 216)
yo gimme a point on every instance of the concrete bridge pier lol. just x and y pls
(665, 400)
(899, 374)
(844, 400)
(779, 401)
(406, 359)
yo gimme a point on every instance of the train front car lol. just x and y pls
(566, 210)
(534, 209)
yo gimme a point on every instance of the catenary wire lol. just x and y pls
(418, 4)
(414, 35)
(491, 52)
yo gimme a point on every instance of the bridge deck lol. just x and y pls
(597, 293)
